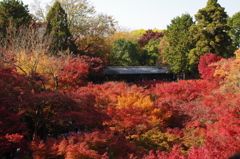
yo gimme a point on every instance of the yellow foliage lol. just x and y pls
(38, 62)
(193, 136)
(229, 71)
(139, 32)
(157, 30)
(237, 53)
(159, 116)
(156, 116)
(155, 139)
(137, 100)
(123, 35)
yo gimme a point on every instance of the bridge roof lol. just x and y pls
(135, 70)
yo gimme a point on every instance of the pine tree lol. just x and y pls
(180, 44)
(13, 13)
(57, 27)
(211, 32)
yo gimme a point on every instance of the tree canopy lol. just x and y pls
(13, 14)
(234, 23)
(150, 54)
(211, 32)
(146, 37)
(180, 43)
(124, 53)
(57, 27)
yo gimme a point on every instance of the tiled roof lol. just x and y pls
(134, 70)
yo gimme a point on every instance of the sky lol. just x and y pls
(151, 14)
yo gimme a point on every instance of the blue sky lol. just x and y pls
(151, 14)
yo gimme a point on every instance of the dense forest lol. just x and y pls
(51, 107)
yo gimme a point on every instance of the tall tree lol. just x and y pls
(57, 27)
(13, 13)
(180, 43)
(152, 54)
(211, 32)
(234, 23)
(162, 44)
(125, 53)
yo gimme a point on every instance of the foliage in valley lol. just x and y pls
(184, 118)
(50, 106)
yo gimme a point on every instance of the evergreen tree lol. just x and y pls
(211, 32)
(234, 23)
(180, 44)
(125, 53)
(57, 27)
(13, 13)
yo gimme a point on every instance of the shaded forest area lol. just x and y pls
(50, 108)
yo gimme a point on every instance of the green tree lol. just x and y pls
(211, 32)
(13, 13)
(152, 54)
(57, 27)
(180, 44)
(234, 23)
(125, 53)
